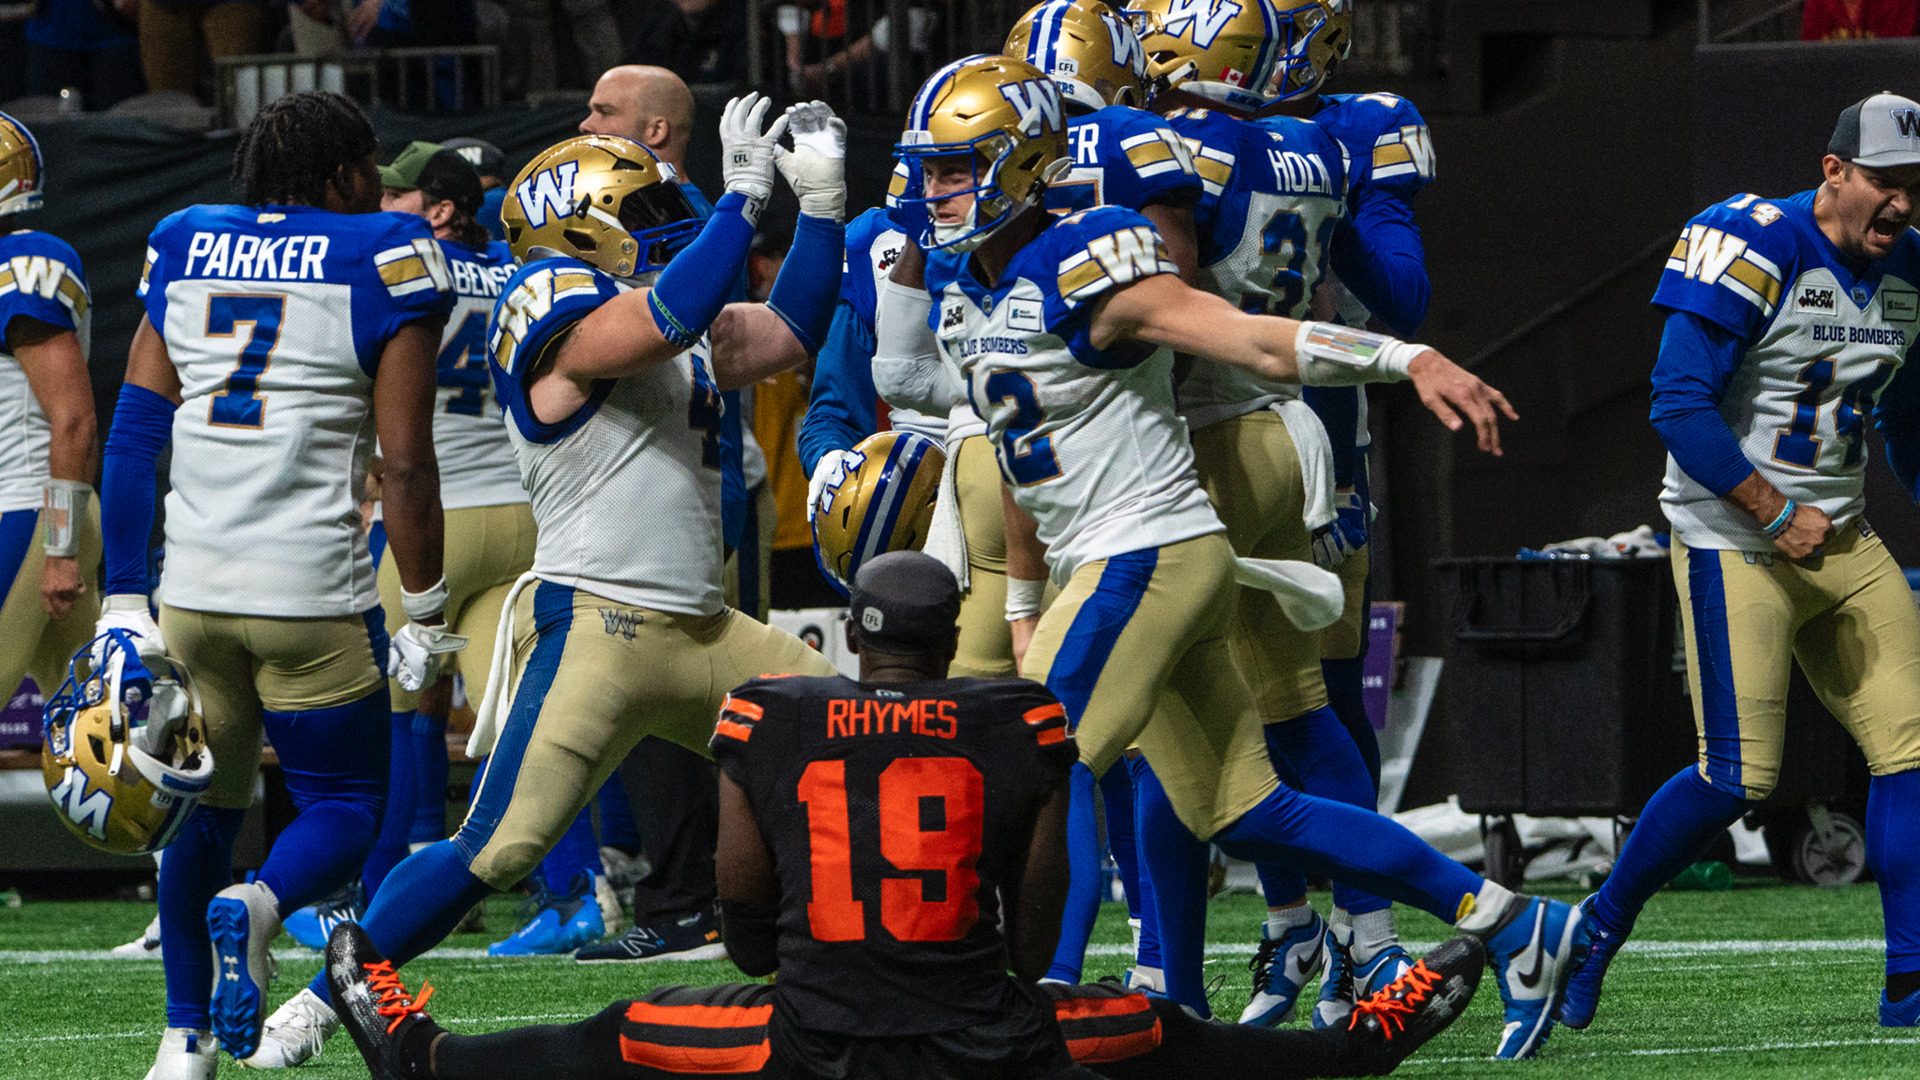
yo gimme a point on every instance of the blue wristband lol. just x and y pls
(693, 288)
(1779, 526)
(808, 288)
(142, 427)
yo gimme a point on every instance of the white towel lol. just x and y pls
(1311, 598)
(946, 538)
(1315, 451)
(491, 714)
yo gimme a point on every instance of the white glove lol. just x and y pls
(418, 653)
(829, 473)
(128, 611)
(816, 167)
(746, 153)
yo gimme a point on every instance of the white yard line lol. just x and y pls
(1753, 1048)
(1647, 948)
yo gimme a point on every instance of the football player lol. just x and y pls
(489, 527)
(1276, 198)
(609, 349)
(1787, 320)
(280, 337)
(1062, 331)
(849, 783)
(49, 528)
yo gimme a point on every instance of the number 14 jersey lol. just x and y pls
(895, 813)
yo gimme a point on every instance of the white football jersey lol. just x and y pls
(1820, 345)
(40, 278)
(873, 246)
(275, 318)
(477, 466)
(1088, 439)
(626, 492)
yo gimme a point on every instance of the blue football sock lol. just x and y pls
(424, 898)
(1349, 704)
(396, 820)
(617, 829)
(1116, 791)
(1177, 872)
(1893, 820)
(430, 778)
(335, 762)
(1148, 953)
(1083, 878)
(1674, 830)
(1281, 883)
(1317, 749)
(576, 851)
(199, 863)
(1349, 844)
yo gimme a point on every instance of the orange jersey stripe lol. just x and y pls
(1115, 1047)
(710, 1061)
(1044, 713)
(704, 1016)
(1087, 1008)
(733, 730)
(745, 708)
(1045, 736)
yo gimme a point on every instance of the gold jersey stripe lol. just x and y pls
(1762, 283)
(1391, 154)
(1149, 153)
(1081, 277)
(1218, 172)
(401, 271)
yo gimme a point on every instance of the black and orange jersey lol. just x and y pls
(894, 813)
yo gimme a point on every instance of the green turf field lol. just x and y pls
(1763, 981)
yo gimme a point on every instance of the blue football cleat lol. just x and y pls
(1281, 969)
(1533, 955)
(311, 924)
(242, 920)
(1386, 966)
(1337, 988)
(1583, 990)
(1899, 1014)
(560, 924)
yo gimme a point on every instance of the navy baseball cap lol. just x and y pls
(906, 599)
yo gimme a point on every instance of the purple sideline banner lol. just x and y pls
(1376, 674)
(20, 720)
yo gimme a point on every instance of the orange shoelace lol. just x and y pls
(393, 999)
(1388, 1003)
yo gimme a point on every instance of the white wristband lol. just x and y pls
(125, 602)
(1024, 598)
(1328, 354)
(65, 502)
(425, 605)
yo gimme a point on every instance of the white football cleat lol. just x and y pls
(295, 1033)
(186, 1054)
(144, 947)
(242, 920)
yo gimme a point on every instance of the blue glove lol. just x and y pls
(1337, 541)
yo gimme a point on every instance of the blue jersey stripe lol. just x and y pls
(1097, 627)
(16, 532)
(1719, 707)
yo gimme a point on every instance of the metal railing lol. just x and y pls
(1749, 20)
(450, 78)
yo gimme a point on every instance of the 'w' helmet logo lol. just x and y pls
(1202, 20)
(1038, 102)
(547, 193)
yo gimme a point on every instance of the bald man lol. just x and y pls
(649, 105)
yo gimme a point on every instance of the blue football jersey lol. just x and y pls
(40, 279)
(276, 318)
(626, 491)
(1123, 156)
(1823, 337)
(1389, 147)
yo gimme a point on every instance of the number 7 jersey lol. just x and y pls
(895, 813)
(1821, 339)
(275, 318)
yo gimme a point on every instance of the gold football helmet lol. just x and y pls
(885, 504)
(602, 199)
(123, 749)
(21, 171)
(1006, 115)
(1315, 35)
(1223, 50)
(1091, 52)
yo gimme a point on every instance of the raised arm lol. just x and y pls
(56, 372)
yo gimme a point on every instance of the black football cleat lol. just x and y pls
(372, 1004)
(1404, 1014)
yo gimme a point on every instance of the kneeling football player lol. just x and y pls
(917, 805)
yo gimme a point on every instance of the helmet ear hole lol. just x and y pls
(580, 239)
(99, 748)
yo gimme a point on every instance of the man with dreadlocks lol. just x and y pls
(280, 336)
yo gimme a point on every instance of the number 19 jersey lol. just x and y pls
(895, 813)
(1821, 339)
(276, 317)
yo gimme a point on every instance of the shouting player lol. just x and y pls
(1787, 320)
(1062, 331)
(832, 788)
(609, 349)
(280, 336)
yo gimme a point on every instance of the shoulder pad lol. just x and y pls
(408, 258)
(1098, 249)
(1386, 137)
(40, 277)
(1214, 138)
(1730, 263)
(541, 299)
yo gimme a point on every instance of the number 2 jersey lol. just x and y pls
(895, 813)
(1821, 336)
(40, 279)
(1087, 438)
(626, 491)
(276, 318)
(477, 466)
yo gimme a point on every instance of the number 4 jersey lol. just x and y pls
(1822, 336)
(477, 467)
(276, 318)
(894, 815)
